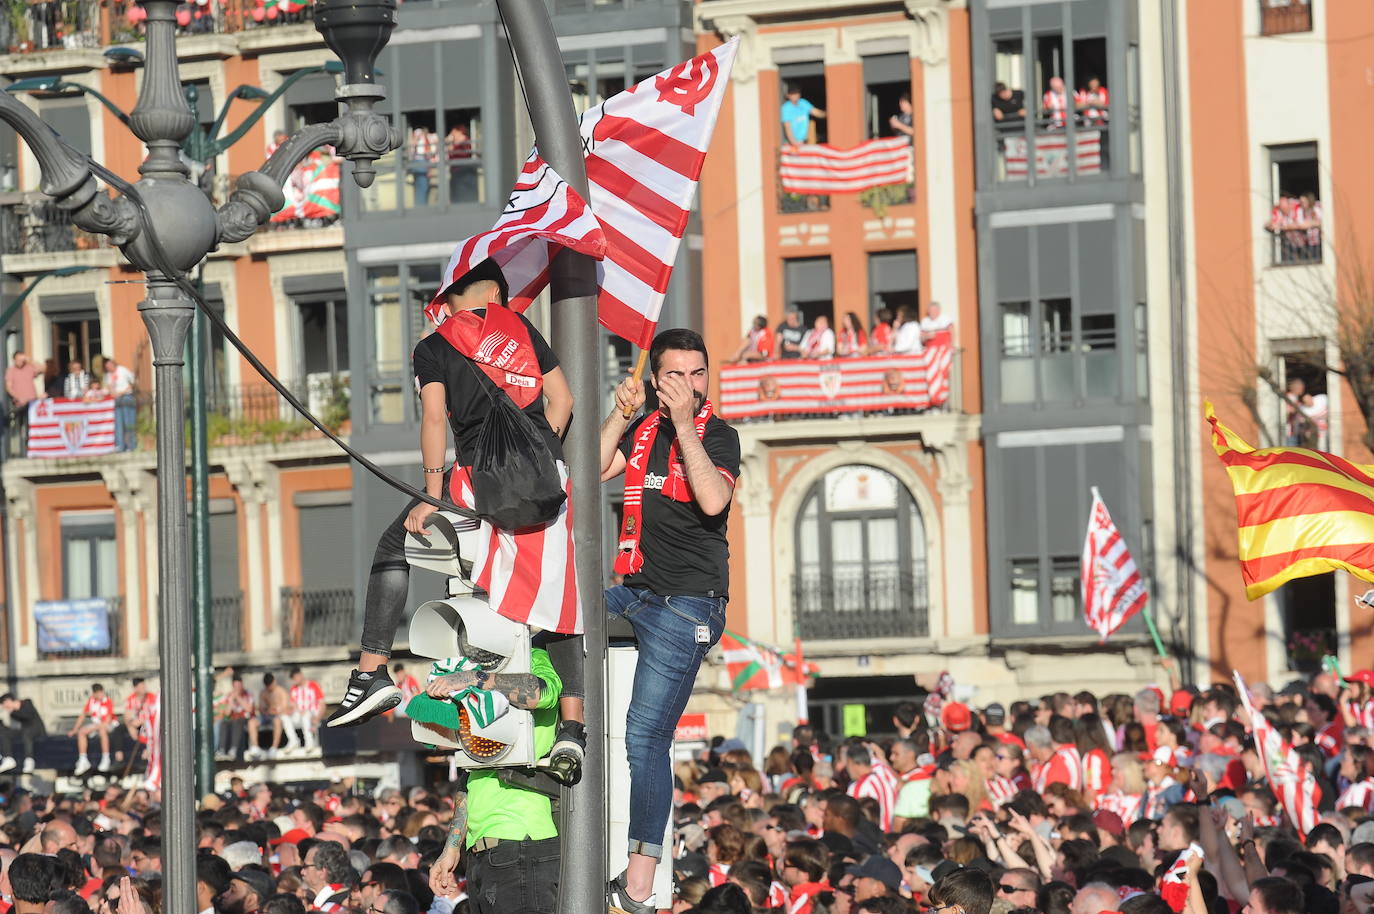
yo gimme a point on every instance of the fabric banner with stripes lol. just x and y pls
(645, 148)
(751, 665)
(817, 168)
(801, 386)
(1113, 589)
(1300, 512)
(71, 428)
(542, 215)
(1291, 779)
(1052, 155)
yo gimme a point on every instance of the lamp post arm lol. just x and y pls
(219, 145)
(224, 113)
(258, 194)
(67, 177)
(87, 90)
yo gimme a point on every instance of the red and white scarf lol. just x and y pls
(500, 345)
(322, 902)
(630, 560)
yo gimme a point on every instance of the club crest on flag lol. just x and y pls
(688, 84)
(74, 433)
(831, 380)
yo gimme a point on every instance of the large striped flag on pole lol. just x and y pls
(817, 168)
(1113, 589)
(1290, 777)
(1300, 511)
(645, 148)
(542, 215)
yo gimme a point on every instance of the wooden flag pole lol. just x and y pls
(638, 374)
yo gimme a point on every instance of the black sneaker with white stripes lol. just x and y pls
(619, 901)
(368, 695)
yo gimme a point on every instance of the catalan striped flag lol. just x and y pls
(1301, 512)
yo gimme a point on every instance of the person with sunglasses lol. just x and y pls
(1019, 887)
(394, 902)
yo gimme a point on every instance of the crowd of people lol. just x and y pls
(899, 332)
(27, 380)
(1296, 222)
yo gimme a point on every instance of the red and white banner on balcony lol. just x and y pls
(809, 386)
(1052, 155)
(814, 168)
(645, 149)
(71, 428)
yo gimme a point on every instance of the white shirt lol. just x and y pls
(933, 324)
(907, 339)
(121, 381)
(818, 344)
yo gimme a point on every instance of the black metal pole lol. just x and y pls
(582, 887)
(200, 556)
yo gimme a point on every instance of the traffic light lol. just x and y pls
(465, 625)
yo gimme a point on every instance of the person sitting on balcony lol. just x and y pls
(1092, 103)
(235, 713)
(1008, 105)
(901, 122)
(790, 333)
(1055, 104)
(307, 700)
(757, 345)
(99, 710)
(274, 706)
(819, 342)
(26, 724)
(906, 339)
(119, 382)
(797, 113)
(76, 380)
(851, 340)
(935, 322)
(880, 340)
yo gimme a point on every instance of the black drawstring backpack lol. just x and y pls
(515, 481)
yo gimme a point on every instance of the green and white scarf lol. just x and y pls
(483, 707)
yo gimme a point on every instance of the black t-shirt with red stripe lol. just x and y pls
(435, 360)
(685, 551)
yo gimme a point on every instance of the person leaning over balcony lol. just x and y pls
(1092, 103)
(819, 342)
(508, 565)
(75, 381)
(790, 333)
(757, 345)
(21, 386)
(1008, 105)
(901, 122)
(26, 724)
(906, 332)
(680, 464)
(119, 381)
(797, 113)
(934, 323)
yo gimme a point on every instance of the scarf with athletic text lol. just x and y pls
(500, 345)
(630, 560)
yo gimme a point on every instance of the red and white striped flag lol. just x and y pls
(71, 428)
(939, 358)
(1290, 777)
(1113, 590)
(1173, 886)
(645, 149)
(816, 168)
(542, 215)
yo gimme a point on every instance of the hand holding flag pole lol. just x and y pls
(637, 376)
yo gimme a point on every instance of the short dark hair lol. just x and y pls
(845, 808)
(137, 681)
(282, 903)
(791, 89)
(214, 871)
(677, 338)
(907, 713)
(1185, 815)
(1146, 903)
(97, 687)
(1361, 854)
(1280, 896)
(268, 679)
(333, 859)
(726, 898)
(808, 855)
(294, 671)
(883, 904)
(36, 878)
(398, 902)
(970, 889)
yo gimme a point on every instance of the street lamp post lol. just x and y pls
(173, 229)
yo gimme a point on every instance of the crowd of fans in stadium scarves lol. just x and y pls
(1149, 803)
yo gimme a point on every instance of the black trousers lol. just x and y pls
(515, 877)
(28, 735)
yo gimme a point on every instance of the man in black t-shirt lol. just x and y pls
(680, 463)
(1008, 105)
(790, 333)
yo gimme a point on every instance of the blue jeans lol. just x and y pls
(669, 656)
(126, 421)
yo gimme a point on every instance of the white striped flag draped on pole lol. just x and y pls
(1290, 777)
(1113, 590)
(814, 168)
(645, 148)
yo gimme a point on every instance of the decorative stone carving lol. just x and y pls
(931, 41)
(746, 58)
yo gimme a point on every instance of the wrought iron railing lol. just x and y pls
(1282, 17)
(114, 618)
(852, 605)
(1296, 247)
(38, 226)
(227, 615)
(317, 618)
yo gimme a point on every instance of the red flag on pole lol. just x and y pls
(1113, 590)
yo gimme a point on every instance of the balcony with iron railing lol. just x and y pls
(226, 613)
(853, 605)
(80, 629)
(31, 223)
(50, 25)
(317, 617)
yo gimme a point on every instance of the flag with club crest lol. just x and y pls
(751, 665)
(1113, 590)
(644, 150)
(1289, 776)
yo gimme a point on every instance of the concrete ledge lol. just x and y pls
(21, 264)
(54, 60)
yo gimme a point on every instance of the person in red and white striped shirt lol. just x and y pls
(866, 780)
(1096, 754)
(1357, 767)
(307, 710)
(1053, 747)
(408, 684)
(96, 717)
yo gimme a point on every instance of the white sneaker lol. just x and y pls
(83, 765)
(272, 754)
(104, 764)
(28, 766)
(7, 764)
(252, 753)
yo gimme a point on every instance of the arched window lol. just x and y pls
(861, 558)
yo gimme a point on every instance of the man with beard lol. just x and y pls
(247, 892)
